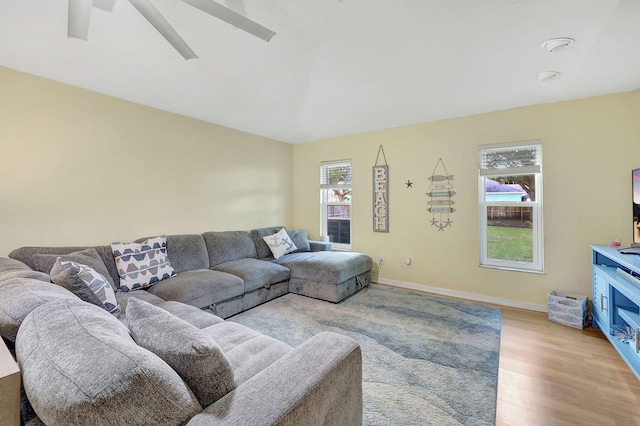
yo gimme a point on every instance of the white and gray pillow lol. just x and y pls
(86, 283)
(141, 265)
(280, 243)
(194, 355)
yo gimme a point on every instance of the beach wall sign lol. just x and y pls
(381, 194)
(381, 198)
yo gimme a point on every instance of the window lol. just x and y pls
(510, 205)
(335, 202)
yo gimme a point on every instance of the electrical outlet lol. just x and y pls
(381, 260)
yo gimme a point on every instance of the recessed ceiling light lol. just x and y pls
(556, 44)
(545, 76)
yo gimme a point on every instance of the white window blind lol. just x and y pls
(510, 159)
(335, 174)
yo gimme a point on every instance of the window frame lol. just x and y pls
(484, 172)
(325, 187)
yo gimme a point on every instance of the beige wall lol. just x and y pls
(81, 168)
(589, 149)
(77, 167)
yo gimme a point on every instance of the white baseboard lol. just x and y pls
(463, 295)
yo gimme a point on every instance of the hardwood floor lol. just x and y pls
(552, 374)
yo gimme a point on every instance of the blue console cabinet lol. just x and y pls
(616, 301)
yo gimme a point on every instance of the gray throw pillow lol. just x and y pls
(89, 257)
(299, 238)
(86, 283)
(195, 356)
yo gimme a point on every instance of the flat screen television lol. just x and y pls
(635, 185)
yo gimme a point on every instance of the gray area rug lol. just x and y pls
(427, 360)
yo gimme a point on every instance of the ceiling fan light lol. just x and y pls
(557, 44)
(546, 76)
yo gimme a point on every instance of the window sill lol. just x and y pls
(513, 269)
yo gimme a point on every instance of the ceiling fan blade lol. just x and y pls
(233, 18)
(157, 20)
(79, 17)
(106, 5)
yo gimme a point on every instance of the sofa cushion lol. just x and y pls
(187, 252)
(248, 351)
(11, 268)
(200, 287)
(326, 266)
(228, 245)
(255, 273)
(123, 299)
(195, 356)
(197, 317)
(80, 366)
(86, 283)
(89, 257)
(280, 243)
(140, 265)
(20, 296)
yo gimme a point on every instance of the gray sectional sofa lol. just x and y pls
(81, 364)
(231, 271)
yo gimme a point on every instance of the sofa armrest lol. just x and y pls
(317, 383)
(319, 245)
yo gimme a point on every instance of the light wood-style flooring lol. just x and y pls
(552, 374)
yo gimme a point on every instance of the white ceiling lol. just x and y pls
(335, 67)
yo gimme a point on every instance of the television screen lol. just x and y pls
(635, 184)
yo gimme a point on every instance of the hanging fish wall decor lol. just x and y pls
(441, 186)
(441, 193)
(441, 200)
(440, 178)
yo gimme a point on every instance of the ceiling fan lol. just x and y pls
(80, 15)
